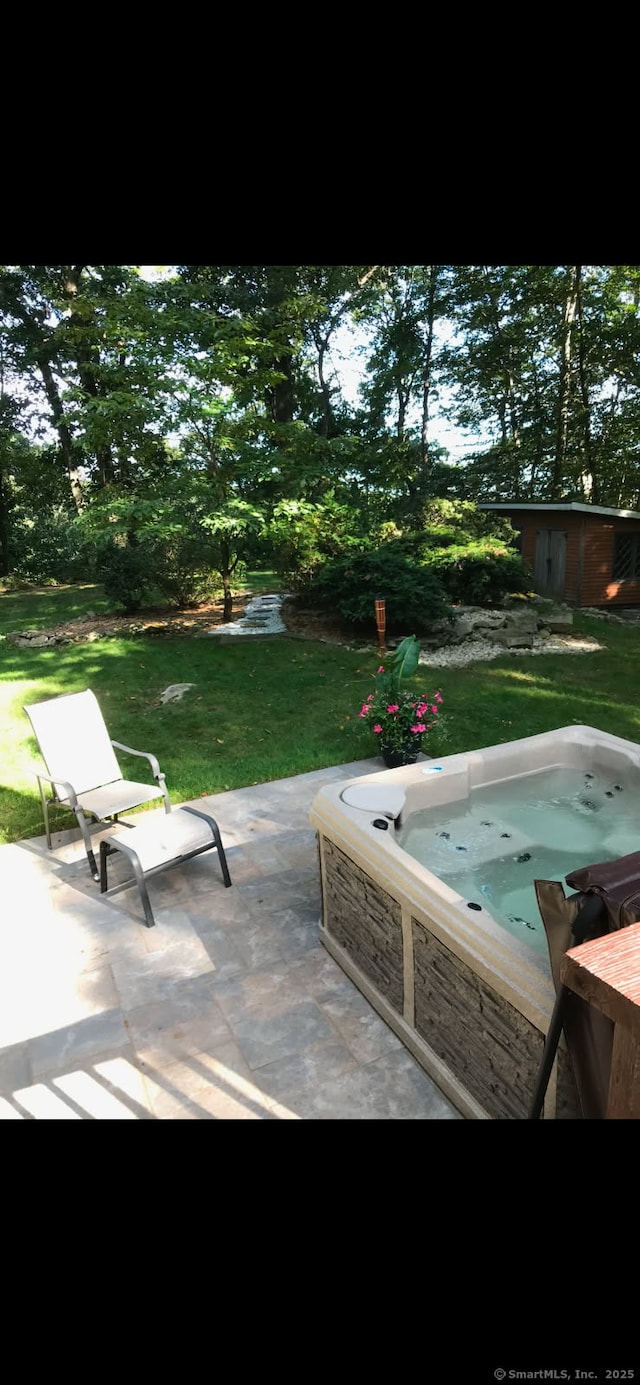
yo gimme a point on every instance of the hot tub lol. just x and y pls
(464, 983)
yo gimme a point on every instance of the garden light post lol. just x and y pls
(381, 622)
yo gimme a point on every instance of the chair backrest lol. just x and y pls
(74, 741)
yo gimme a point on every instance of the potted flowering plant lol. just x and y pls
(399, 718)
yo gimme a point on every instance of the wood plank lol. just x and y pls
(606, 973)
(624, 1087)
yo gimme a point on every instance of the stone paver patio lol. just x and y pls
(229, 1009)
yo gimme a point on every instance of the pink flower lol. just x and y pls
(365, 710)
(377, 729)
(418, 730)
(437, 697)
(421, 709)
(434, 711)
(381, 669)
(393, 707)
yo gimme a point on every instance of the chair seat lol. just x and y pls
(118, 797)
(165, 838)
(161, 842)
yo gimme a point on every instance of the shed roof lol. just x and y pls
(572, 505)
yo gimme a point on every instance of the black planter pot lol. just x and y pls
(406, 755)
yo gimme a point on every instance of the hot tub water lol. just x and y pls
(493, 845)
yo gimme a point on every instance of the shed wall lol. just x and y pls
(589, 554)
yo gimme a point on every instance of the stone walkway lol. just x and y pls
(261, 617)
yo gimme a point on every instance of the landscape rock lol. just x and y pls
(510, 638)
(26, 639)
(506, 625)
(175, 692)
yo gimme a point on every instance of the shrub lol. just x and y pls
(50, 547)
(180, 571)
(414, 596)
(127, 575)
(479, 573)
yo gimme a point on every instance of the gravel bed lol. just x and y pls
(476, 651)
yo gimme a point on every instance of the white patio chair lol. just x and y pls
(82, 770)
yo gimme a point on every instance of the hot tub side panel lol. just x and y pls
(489, 1049)
(365, 921)
(492, 1049)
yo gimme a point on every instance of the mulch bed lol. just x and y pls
(156, 621)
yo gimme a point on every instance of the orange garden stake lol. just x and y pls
(381, 623)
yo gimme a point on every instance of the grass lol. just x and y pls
(266, 710)
(36, 607)
(258, 710)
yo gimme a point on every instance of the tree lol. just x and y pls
(545, 358)
(221, 377)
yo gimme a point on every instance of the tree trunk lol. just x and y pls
(559, 466)
(402, 412)
(588, 465)
(322, 345)
(66, 441)
(4, 532)
(88, 361)
(426, 378)
(280, 394)
(225, 569)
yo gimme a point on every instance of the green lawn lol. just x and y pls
(37, 607)
(268, 709)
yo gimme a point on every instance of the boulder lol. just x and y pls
(470, 620)
(511, 638)
(26, 639)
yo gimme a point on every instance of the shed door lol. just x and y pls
(550, 561)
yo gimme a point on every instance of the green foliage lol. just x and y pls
(180, 540)
(403, 662)
(460, 555)
(234, 364)
(414, 596)
(479, 573)
(38, 534)
(448, 521)
(127, 574)
(49, 547)
(303, 536)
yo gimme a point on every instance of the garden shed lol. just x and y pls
(588, 555)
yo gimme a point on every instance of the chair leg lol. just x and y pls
(215, 831)
(221, 855)
(82, 824)
(45, 812)
(103, 866)
(142, 887)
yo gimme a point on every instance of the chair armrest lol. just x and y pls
(69, 789)
(144, 755)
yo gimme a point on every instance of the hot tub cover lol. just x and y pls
(388, 799)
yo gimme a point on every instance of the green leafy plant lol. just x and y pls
(349, 585)
(398, 717)
(125, 574)
(480, 573)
